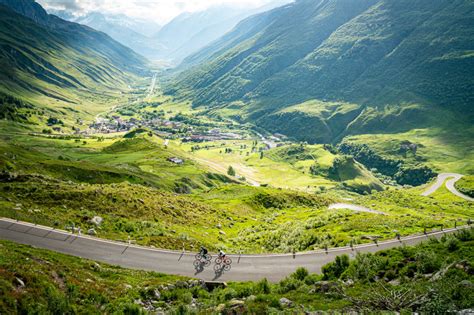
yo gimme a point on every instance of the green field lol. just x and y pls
(287, 167)
(466, 185)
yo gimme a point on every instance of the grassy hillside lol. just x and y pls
(130, 183)
(59, 65)
(443, 150)
(432, 277)
(466, 185)
(321, 70)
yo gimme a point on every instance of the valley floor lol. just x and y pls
(158, 171)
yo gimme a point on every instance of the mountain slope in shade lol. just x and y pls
(363, 52)
(49, 61)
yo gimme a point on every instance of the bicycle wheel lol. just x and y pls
(197, 263)
(208, 257)
(207, 263)
(217, 268)
(198, 256)
(227, 267)
(218, 261)
(228, 261)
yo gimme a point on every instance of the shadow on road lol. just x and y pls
(200, 265)
(199, 268)
(124, 250)
(218, 274)
(219, 270)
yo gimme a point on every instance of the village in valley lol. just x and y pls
(186, 128)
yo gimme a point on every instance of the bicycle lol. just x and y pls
(205, 257)
(225, 261)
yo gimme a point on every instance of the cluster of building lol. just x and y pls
(164, 128)
(212, 135)
(112, 125)
(117, 124)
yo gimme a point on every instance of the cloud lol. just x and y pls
(160, 10)
(73, 6)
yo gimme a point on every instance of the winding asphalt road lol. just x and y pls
(244, 267)
(152, 85)
(451, 178)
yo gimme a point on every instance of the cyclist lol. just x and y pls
(221, 254)
(203, 251)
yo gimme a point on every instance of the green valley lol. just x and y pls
(330, 135)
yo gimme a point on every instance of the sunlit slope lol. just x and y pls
(55, 63)
(413, 55)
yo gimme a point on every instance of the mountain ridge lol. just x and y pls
(372, 53)
(54, 63)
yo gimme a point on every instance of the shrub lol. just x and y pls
(185, 297)
(312, 279)
(452, 244)
(228, 294)
(246, 290)
(427, 262)
(289, 284)
(334, 270)
(263, 286)
(132, 309)
(465, 235)
(231, 171)
(300, 273)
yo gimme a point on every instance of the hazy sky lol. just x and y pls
(158, 10)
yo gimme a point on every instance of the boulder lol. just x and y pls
(349, 282)
(285, 302)
(97, 220)
(395, 282)
(182, 285)
(325, 286)
(220, 308)
(96, 266)
(91, 232)
(235, 303)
